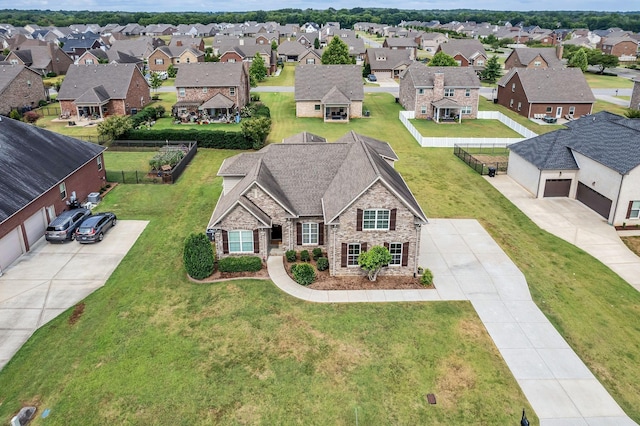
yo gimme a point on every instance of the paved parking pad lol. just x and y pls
(51, 278)
(467, 264)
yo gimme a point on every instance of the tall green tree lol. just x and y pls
(492, 71)
(441, 59)
(155, 81)
(602, 61)
(114, 126)
(172, 71)
(336, 53)
(256, 130)
(316, 43)
(579, 60)
(257, 70)
(274, 45)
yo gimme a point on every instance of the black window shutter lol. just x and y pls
(392, 219)
(629, 209)
(405, 254)
(359, 220)
(363, 247)
(299, 233)
(321, 233)
(343, 258)
(225, 242)
(386, 245)
(256, 241)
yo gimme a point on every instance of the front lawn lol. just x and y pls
(488, 105)
(597, 81)
(466, 129)
(286, 77)
(609, 107)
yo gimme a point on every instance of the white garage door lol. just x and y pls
(10, 248)
(35, 227)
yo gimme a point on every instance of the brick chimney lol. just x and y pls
(438, 85)
(179, 43)
(559, 50)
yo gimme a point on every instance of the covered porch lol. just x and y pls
(218, 108)
(446, 110)
(92, 104)
(336, 106)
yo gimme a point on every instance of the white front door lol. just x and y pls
(559, 112)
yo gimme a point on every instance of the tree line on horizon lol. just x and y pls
(592, 20)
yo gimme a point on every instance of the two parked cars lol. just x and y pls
(79, 224)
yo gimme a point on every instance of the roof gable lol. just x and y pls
(211, 74)
(114, 78)
(313, 82)
(552, 84)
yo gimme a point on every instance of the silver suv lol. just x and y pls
(63, 227)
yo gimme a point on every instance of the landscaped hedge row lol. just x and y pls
(198, 256)
(240, 264)
(206, 139)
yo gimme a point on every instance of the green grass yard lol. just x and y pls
(609, 107)
(127, 160)
(466, 129)
(286, 77)
(597, 81)
(488, 105)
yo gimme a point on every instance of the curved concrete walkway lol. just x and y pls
(576, 223)
(469, 265)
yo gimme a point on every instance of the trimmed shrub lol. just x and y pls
(323, 264)
(206, 139)
(198, 256)
(304, 255)
(427, 277)
(290, 255)
(240, 264)
(317, 253)
(303, 273)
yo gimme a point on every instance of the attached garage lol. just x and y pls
(10, 248)
(594, 200)
(35, 226)
(557, 187)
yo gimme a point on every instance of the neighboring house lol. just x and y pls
(111, 56)
(635, 94)
(20, 87)
(164, 56)
(596, 161)
(440, 93)
(466, 52)
(580, 42)
(429, 42)
(160, 29)
(40, 172)
(267, 39)
(535, 57)
(246, 53)
(187, 41)
(104, 89)
(308, 39)
(75, 45)
(343, 197)
(43, 59)
(330, 92)
(292, 51)
(387, 63)
(402, 43)
(625, 48)
(553, 92)
(140, 47)
(310, 27)
(214, 87)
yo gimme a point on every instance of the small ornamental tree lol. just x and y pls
(198, 256)
(374, 260)
(172, 71)
(579, 60)
(114, 126)
(274, 45)
(336, 53)
(155, 81)
(441, 59)
(316, 43)
(257, 70)
(492, 70)
(256, 130)
(31, 116)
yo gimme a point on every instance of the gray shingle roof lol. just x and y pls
(552, 84)
(387, 59)
(34, 160)
(291, 48)
(528, 54)
(210, 74)
(607, 138)
(218, 101)
(115, 79)
(313, 82)
(423, 76)
(304, 137)
(466, 47)
(315, 179)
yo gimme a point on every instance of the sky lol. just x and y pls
(252, 5)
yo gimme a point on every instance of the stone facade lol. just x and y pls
(26, 89)
(156, 56)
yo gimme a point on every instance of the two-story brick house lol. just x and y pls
(103, 89)
(625, 48)
(550, 92)
(163, 56)
(467, 52)
(214, 87)
(355, 200)
(440, 93)
(19, 87)
(535, 57)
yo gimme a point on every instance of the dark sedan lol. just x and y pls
(92, 229)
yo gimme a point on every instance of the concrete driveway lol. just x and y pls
(576, 223)
(54, 277)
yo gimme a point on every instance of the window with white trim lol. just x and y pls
(635, 210)
(188, 60)
(231, 60)
(572, 110)
(99, 162)
(63, 191)
(159, 61)
(353, 252)
(310, 233)
(375, 219)
(240, 241)
(423, 109)
(467, 93)
(232, 91)
(14, 62)
(316, 107)
(205, 89)
(396, 254)
(549, 110)
(513, 87)
(311, 60)
(519, 106)
(88, 61)
(537, 63)
(511, 103)
(420, 91)
(448, 93)
(181, 92)
(480, 62)
(465, 110)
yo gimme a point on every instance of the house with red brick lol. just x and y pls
(387, 63)
(212, 87)
(466, 52)
(442, 94)
(535, 93)
(104, 89)
(20, 87)
(535, 57)
(402, 43)
(246, 53)
(625, 48)
(110, 56)
(355, 200)
(40, 172)
(43, 59)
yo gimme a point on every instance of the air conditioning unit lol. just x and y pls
(93, 197)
